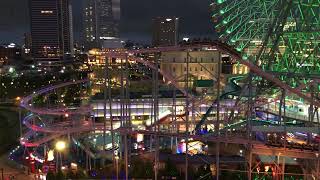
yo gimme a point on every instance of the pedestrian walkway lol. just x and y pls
(11, 171)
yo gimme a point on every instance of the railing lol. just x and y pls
(274, 109)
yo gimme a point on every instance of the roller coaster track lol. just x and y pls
(222, 47)
(25, 102)
(210, 109)
(55, 132)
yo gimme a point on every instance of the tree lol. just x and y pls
(60, 175)
(70, 94)
(70, 175)
(75, 175)
(50, 176)
(149, 173)
(81, 174)
(38, 100)
(141, 169)
(204, 172)
(53, 98)
(170, 170)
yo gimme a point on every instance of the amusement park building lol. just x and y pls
(202, 63)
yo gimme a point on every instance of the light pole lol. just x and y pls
(117, 166)
(318, 165)
(59, 146)
(2, 175)
(20, 121)
(1, 89)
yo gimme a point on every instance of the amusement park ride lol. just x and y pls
(279, 42)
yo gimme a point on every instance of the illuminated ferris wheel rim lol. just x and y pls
(281, 37)
(235, 19)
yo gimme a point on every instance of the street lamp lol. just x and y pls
(66, 115)
(59, 146)
(117, 166)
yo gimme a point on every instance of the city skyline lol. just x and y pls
(135, 24)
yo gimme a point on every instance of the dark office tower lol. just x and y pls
(51, 29)
(101, 21)
(27, 41)
(165, 31)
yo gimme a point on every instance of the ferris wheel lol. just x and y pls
(280, 36)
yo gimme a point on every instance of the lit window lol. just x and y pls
(46, 12)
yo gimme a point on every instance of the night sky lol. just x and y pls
(136, 18)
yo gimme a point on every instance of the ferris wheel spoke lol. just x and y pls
(279, 36)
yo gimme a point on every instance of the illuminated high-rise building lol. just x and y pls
(101, 21)
(51, 29)
(165, 31)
